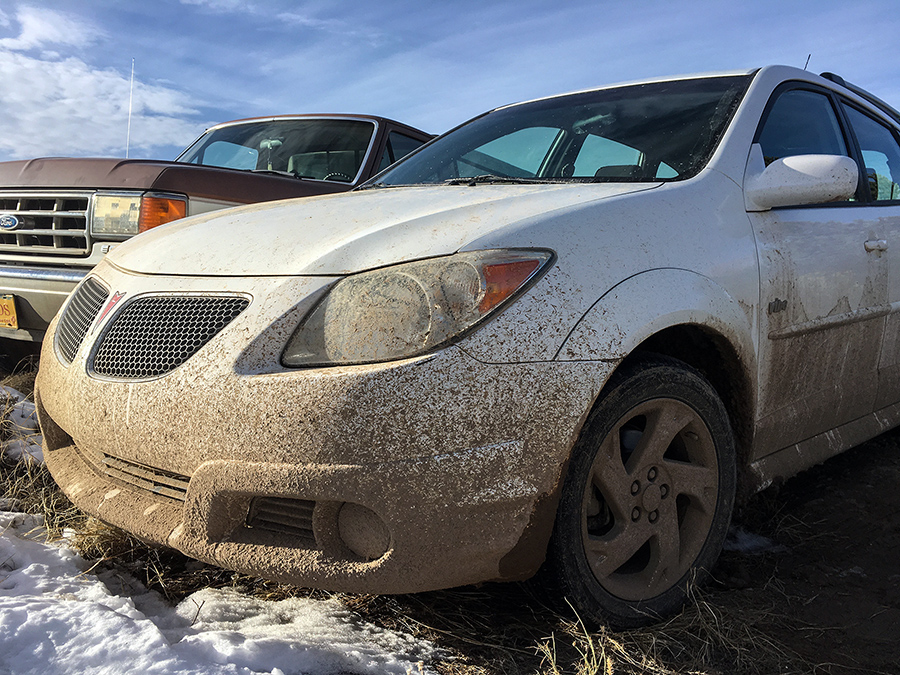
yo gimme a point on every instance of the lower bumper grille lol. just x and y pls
(147, 478)
(157, 481)
(286, 516)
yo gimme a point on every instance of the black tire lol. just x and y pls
(648, 496)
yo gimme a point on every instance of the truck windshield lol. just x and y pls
(319, 149)
(659, 131)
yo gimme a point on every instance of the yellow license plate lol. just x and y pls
(8, 312)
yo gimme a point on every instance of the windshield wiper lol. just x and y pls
(275, 172)
(490, 178)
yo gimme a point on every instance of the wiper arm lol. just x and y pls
(275, 172)
(490, 178)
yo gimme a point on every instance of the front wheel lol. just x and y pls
(648, 496)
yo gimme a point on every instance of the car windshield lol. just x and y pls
(320, 149)
(648, 132)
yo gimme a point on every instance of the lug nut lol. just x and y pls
(663, 490)
(651, 474)
(636, 514)
(635, 487)
(654, 516)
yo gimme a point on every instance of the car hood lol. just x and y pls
(342, 234)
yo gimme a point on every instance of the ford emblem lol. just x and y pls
(8, 221)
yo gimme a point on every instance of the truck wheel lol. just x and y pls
(648, 496)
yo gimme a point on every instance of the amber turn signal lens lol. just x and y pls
(159, 211)
(503, 279)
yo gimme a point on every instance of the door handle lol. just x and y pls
(876, 245)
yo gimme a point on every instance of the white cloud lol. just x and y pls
(218, 5)
(65, 107)
(43, 27)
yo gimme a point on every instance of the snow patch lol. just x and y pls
(22, 439)
(742, 541)
(57, 619)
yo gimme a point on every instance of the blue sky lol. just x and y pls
(65, 65)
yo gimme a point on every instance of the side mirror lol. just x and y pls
(798, 180)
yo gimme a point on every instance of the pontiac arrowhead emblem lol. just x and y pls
(109, 305)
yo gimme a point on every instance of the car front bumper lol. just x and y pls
(412, 475)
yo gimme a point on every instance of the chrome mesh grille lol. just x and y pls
(280, 514)
(152, 336)
(78, 316)
(48, 223)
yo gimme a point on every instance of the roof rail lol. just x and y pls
(862, 93)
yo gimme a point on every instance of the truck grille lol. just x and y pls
(45, 223)
(154, 335)
(78, 316)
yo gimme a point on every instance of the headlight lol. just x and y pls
(410, 309)
(130, 214)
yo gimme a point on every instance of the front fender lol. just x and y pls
(652, 301)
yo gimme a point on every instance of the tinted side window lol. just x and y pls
(880, 153)
(801, 123)
(397, 147)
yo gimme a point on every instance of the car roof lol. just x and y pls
(781, 72)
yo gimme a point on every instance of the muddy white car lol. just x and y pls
(570, 333)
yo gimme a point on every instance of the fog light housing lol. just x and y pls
(363, 532)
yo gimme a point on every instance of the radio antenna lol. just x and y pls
(130, 100)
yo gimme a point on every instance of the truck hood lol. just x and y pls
(230, 185)
(342, 234)
(81, 173)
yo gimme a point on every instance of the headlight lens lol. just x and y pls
(124, 214)
(410, 309)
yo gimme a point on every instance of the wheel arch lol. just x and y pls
(683, 315)
(720, 363)
(673, 313)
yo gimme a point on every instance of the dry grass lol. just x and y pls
(27, 485)
(494, 629)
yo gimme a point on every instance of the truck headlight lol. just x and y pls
(122, 214)
(412, 308)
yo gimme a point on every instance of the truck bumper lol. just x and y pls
(39, 292)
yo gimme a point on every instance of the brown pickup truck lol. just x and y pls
(60, 216)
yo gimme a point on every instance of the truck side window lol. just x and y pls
(397, 147)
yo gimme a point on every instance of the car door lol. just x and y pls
(879, 153)
(823, 287)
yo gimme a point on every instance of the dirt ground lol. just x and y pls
(831, 582)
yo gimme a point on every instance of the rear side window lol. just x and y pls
(801, 122)
(880, 153)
